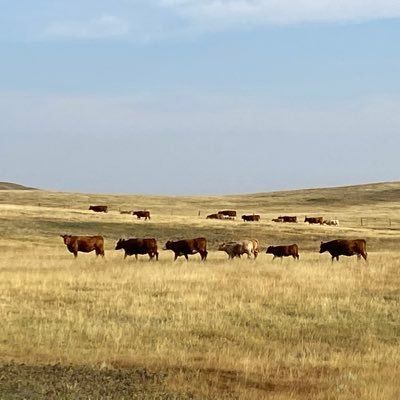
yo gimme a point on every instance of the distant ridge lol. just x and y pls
(14, 186)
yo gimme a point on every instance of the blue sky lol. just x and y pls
(199, 97)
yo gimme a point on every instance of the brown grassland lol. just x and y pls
(243, 329)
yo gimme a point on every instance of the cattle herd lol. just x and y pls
(234, 249)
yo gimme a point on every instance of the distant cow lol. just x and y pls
(85, 244)
(215, 216)
(314, 220)
(284, 251)
(345, 247)
(135, 246)
(142, 214)
(99, 208)
(334, 222)
(277, 220)
(286, 218)
(228, 213)
(188, 247)
(236, 249)
(253, 217)
(125, 212)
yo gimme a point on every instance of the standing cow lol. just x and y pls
(314, 220)
(142, 214)
(284, 251)
(254, 217)
(237, 249)
(85, 244)
(345, 247)
(103, 209)
(188, 247)
(135, 246)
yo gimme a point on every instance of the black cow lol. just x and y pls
(345, 247)
(187, 247)
(135, 246)
(85, 244)
(103, 209)
(287, 218)
(142, 214)
(284, 251)
(314, 220)
(253, 217)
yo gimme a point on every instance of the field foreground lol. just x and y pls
(241, 329)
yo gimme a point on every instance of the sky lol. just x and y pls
(193, 97)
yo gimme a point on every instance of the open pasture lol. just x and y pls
(241, 329)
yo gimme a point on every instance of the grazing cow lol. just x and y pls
(253, 217)
(125, 212)
(331, 222)
(314, 220)
(103, 209)
(228, 213)
(284, 251)
(188, 247)
(135, 246)
(215, 216)
(345, 247)
(286, 218)
(142, 214)
(85, 244)
(236, 249)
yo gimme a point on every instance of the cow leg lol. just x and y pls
(186, 256)
(176, 256)
(273, 258)
(255, 254)
(75, 254)
(136, 256)
(125, 255)
(156, 255)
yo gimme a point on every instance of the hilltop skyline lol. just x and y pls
(199, 97)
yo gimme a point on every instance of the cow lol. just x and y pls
(228, 213)
(253, 217)
(286, 218)
(215, 216)
(188, 247)
(236, 249)
(284, 251)
(103, 209)
(314, 220)
(331, 222)
(345, 247)
(85, 244)
(277, 220)
(125, 212)
(142, 214)
(135, 246)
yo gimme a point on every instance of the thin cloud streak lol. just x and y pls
(100, 27)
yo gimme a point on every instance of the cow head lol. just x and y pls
(120, 244)
(323, 247)
(66, 238)
(270, 249)
(168, 245)
(222, 247)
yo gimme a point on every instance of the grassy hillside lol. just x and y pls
(242, 329)
(13, 186)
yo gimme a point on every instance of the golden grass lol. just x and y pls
(241, 329)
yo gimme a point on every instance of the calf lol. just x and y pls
(103, 209)
(284, 251)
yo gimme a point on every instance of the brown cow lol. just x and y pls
(253, 217)
(284, 251)
(142, 214)
(215, 216)
(345, 247)
(103, 209)
(314, 220)
(85, 244)
(286, 218)
(135, 246)
(187, 247)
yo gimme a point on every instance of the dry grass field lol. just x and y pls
(242, 329)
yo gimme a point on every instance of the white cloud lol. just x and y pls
(220, 13)
(101, 27)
